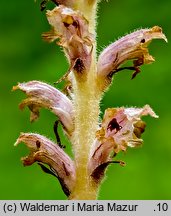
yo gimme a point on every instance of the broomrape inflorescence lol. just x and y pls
(95, 143)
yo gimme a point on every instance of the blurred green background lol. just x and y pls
(24, 56)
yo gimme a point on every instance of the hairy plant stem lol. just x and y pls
(86, 103)
(86, 122)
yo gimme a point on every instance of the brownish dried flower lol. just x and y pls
(120, 128)
(41, 95)
(130, 47)
(71, 28)
(44, 151)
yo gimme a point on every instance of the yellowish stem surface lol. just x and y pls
(86, 122)
(86, 103)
